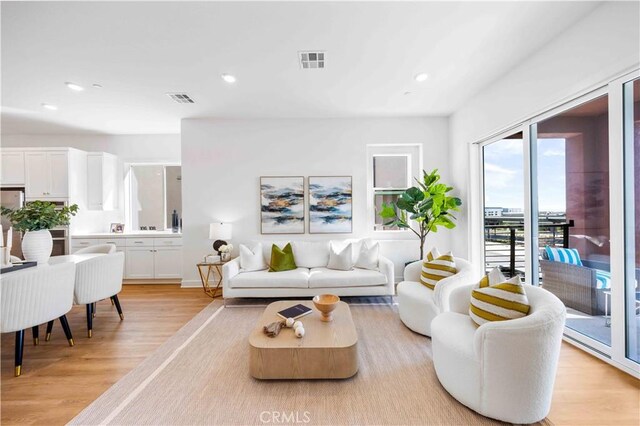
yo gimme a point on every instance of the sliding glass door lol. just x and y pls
(572, 172)
(560, 203)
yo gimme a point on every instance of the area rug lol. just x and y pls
(200, 376)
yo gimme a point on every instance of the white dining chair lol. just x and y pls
(34, 296)
(99, 278)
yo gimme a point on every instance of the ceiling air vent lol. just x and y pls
(309, 60)
(181, 98)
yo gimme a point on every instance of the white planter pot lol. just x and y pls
(37, 246)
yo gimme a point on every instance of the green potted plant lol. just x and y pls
(36, 218)
(427, 204)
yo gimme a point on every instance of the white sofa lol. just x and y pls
(504, 369)
(418, 305)
(310, 278)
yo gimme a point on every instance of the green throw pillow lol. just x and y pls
(282, 259)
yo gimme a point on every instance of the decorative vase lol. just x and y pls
(37, 246)
(224, 257)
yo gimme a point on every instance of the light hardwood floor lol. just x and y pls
(59, 381)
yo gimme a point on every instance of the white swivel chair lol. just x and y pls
(503, 369)
(34, 296)
(97, 249)
(418, 305)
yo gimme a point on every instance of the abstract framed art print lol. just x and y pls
(330, 205)
(282, 207)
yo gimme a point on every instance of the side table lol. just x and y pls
(207, 271)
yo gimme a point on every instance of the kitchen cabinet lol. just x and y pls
(167, 262)
(140, 261)
(102, 181)
(46, 174)
(147, 257)
(12, 168)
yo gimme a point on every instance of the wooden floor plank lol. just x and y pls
(59, 381)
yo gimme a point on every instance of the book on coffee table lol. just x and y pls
(294, 312)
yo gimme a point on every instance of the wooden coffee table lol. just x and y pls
(329, 350)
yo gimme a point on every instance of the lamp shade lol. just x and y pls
(220, 231)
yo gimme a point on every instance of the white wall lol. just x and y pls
(128, 149)
(602, 45)
(222, 161)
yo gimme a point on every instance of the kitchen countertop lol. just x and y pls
(136, 234)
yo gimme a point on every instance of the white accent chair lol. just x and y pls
(97, 249)
(418, 305)
(504, 369)
(34, 296)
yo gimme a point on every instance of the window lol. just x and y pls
(392, 169)
(155, 191)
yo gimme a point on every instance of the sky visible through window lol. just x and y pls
(504, 179)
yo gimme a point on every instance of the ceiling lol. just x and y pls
(140, 51)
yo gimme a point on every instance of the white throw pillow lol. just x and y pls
(311, 254)
(252, 259)
(368, 257)
(341, 261)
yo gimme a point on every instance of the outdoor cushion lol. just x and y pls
(603, 280)
(565, 255)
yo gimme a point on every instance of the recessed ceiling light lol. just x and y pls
(74, 86)
(421, 77)
(49, 106)
(96, 86)
(228, 78)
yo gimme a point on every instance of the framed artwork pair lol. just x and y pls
(283, 205)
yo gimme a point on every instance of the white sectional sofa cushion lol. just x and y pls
(312, 276)
(297, 278)
(330, 278)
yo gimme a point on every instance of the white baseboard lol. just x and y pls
(191, 284)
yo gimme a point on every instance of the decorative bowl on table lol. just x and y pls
(326, 303)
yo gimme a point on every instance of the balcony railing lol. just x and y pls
(504, 242)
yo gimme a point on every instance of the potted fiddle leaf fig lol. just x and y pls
(428, 204)
(36, 218)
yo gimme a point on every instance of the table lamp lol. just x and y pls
(219, 232)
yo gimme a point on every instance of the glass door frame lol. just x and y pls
(477, 196)
(616, 353)
(571, 335)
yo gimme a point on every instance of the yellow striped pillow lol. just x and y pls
(495, 276)
(436, 269)
(499, 302)
(433, 254)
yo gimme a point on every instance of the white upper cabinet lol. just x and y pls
(58, 174)
(102, 181)
(46, 174)
(12, 168)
